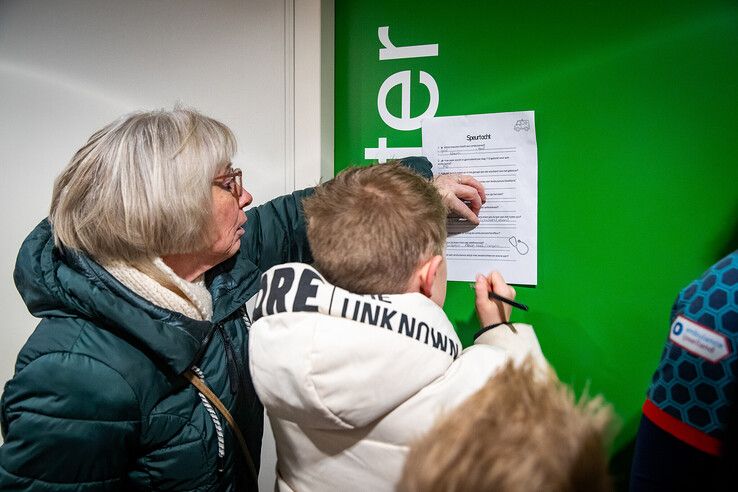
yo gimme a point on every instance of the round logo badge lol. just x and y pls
(678, 328)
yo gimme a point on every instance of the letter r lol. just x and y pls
(281, 283)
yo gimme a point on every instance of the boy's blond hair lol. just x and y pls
(370, 227)
(520, 432)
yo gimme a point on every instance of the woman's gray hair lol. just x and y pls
(141, 186)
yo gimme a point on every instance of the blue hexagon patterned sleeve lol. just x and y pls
(692, 387)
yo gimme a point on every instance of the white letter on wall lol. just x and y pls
(405, 122)
(381, 153)
(392, 52)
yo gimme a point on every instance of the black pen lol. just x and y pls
(498, 297)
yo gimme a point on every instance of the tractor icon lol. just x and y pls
(522, 125)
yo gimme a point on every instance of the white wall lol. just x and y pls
(69, 67)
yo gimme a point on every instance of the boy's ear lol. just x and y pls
(427, 273)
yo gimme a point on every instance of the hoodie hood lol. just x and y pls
(326, 358)
(56, 283)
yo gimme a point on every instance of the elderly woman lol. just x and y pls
(140, 277)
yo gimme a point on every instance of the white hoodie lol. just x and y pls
(350, 381)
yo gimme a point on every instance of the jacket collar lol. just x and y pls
(66, 283)
(172, 337)
(232, 283)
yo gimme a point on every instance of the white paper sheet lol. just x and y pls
(500, 151)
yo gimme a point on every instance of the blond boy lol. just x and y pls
(353, 357)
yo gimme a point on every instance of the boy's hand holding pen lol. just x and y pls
(494, 299)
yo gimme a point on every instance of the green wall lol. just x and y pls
(636, 106)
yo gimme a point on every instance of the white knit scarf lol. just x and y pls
(198, 303)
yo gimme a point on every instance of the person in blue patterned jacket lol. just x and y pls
(689, 416)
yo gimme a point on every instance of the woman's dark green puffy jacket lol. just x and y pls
(98, 401)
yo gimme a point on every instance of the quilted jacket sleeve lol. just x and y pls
(420, 165)
(276, 233)
(69, 422)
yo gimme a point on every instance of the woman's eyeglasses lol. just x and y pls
(231, 181)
